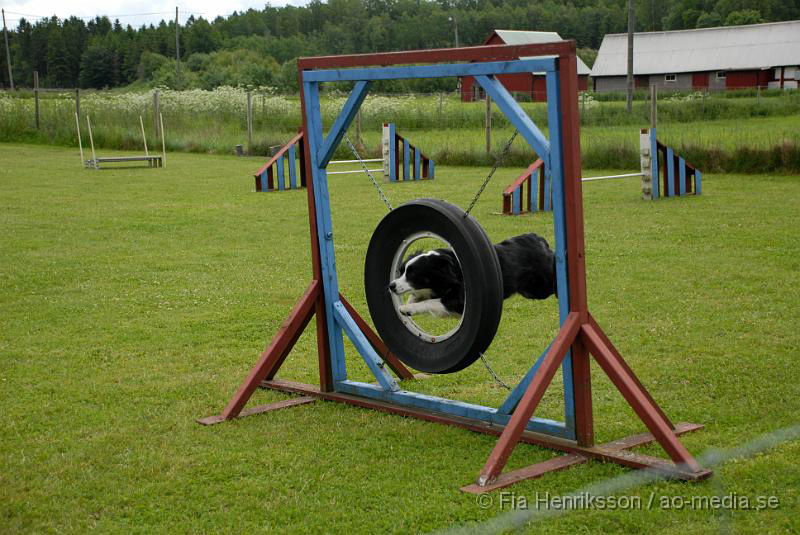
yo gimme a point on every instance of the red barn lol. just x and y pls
(708, 59)
(532, 85)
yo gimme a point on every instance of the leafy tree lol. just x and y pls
(200, 36)
(708, 20)
(745, 16)
(588, 55)
(150, 62)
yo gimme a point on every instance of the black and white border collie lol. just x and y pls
(435, 284)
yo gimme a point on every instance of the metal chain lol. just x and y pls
(369, 173)
(494, 375)
(497, 163)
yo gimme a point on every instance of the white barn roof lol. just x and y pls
(757, 46)
(519, 37)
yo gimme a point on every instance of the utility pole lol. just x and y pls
(455, 23)
(630, 55)
(177, 53)
(8, 52)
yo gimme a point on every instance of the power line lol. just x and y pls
(102, 15)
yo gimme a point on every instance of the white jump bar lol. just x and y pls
(354, 171)
(604, 177)
(356, 161)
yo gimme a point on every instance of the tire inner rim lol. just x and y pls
(397, 300)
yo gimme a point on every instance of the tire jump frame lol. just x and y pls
(396, 152)
(579, 336)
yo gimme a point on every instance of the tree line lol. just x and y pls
(258, 47)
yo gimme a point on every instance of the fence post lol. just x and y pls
(8, 53)
(249, 123)
(653, 105)
(36, 96)
(488, 124)
(78, 103)
(156, 114)
(359, 144)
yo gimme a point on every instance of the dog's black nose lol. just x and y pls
(392, 286)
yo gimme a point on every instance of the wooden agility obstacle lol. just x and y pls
(674, 177)
(580, 335)
(396, 151)
(285, 158)
(679, 177)
(530, 191)
(151, 160)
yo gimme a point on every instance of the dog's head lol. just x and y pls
(434, 271)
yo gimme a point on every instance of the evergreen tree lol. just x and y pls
(97, 65)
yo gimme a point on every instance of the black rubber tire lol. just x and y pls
(483, 283)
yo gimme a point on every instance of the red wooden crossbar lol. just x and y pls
(438, 55)
(298, 139)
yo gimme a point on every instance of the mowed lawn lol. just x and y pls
(133, 301)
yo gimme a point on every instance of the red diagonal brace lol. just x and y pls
(533, 395)
(276, 352)
(636, 396)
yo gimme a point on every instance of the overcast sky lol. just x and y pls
(133, 12)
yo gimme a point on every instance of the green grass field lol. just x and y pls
(133, 301)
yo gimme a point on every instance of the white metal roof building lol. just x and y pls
(737, 56)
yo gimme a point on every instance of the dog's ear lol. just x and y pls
(453, 267)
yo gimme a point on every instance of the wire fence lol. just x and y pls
(219, 120)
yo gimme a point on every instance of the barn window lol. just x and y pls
(670, 77)
(720, 75)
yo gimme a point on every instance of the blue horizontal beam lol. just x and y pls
(449, 406)
(432, 71)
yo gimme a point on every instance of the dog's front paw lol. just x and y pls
(405, 310)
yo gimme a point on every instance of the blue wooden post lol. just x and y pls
(292, 169)
(430, 169)
(516, 200)
(535, 178)
(554, 168)
(548, 192)
(406, 159)
(682, 174)
(264, 182)
(670, 173)
(417, 164)
(698, 182)
(654, 163)
(319, 176)
(392, 153)
(279, 163)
